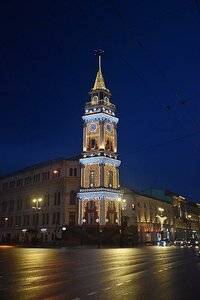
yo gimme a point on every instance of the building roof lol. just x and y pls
(42, 164)
(162, 195)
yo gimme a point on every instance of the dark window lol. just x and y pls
(72, 218)
(75, 172)
(70, 172)
(72, 199)
(93, 144)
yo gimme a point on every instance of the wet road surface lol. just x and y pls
(75, 273)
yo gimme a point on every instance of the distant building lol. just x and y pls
(146, 212)
(148, 209)
(38, 201)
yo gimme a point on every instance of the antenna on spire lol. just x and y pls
(99, 52)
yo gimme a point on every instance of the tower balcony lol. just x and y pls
(100, 193)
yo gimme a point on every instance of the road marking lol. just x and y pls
(128, 281)
(106, 289)
(160, 271)
(118, 284)
(92, 293)
(165, 269)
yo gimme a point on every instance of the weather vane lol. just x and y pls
(99, 52)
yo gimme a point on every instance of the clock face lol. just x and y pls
(108, 128)
(92, 127)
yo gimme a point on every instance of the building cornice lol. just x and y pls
(100, 117)
(100, 160)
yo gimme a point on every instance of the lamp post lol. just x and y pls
(99, 233)
(189, 224)
(122, 207)
(36, 207)
(83, 229)
(5, 220)
(161, 219)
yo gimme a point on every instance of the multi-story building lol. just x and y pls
(38, 201)
(152, 214)
(159, 213)
(100, 196)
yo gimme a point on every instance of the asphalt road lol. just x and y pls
(127, 273)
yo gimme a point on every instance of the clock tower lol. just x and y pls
(99, 196)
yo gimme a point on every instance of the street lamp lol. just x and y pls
(36, 207)
(161, 219)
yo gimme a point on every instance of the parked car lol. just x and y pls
(192, 242)
(164, 242)
(179, 242)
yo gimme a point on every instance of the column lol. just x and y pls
(101, 137)
(101, 175)
(80, 218)
(84, 137)
(115, 138)
(102, 212)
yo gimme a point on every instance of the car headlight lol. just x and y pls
(196, 242)
(181, 242)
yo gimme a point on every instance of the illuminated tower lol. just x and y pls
(99, 196)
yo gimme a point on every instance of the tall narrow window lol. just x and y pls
(70, 172)
(75, 171)
(91, 204)
(93, 144)
(72, 198)
(91, 179)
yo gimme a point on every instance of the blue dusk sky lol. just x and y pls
(151, 64)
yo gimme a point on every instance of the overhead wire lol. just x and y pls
(104, 34)
(168, 82)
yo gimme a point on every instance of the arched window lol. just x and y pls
(93, 144)
(72, 198)
(109, 145)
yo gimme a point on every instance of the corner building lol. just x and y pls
(100, 196)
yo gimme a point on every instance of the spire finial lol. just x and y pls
(99, 52)
(99, 82)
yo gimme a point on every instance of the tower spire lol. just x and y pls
(99, 83)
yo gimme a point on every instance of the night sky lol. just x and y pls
(151, 65)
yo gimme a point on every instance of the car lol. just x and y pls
(192, 242)
(179, 242)
(164, 242)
